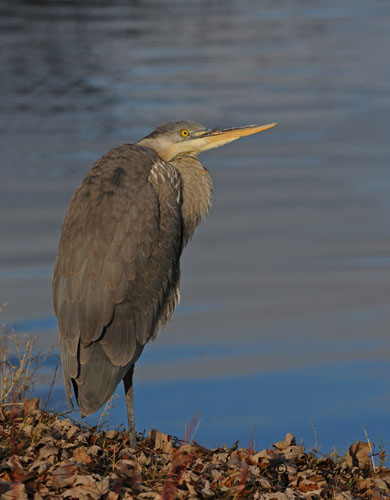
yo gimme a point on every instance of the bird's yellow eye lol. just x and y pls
(184, 133)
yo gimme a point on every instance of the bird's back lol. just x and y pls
(116, 275)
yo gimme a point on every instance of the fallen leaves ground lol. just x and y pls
(47, 457)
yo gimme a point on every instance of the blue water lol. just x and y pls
(316, 401)
(284, 319)
(235, 408)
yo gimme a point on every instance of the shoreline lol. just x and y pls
(44, 455)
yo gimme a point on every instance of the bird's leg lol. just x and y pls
(128, 383)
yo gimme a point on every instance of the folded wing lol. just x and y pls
(116, 275)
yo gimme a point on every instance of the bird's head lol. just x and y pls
(191, 138)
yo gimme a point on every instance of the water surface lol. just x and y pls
(284, 321)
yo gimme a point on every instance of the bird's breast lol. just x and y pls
(196, 192)
(164, 174)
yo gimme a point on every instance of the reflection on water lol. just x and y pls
(269, 403)
(285, 288)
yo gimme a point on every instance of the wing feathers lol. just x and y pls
(120, 343)
(117, 264)
(111, 274)
(97, 380)
(95, 310)
(129, 249)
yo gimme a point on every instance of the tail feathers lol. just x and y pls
(97, 380)
(97, 368)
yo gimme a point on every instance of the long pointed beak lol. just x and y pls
(210, 139)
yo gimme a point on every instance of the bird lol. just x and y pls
(117, 270)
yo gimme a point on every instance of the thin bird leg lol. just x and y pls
(128, 383)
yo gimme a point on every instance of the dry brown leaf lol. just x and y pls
(344, 495)
(264, 454)
(93, 484)
(39, 466)
(87, 486)
(28, 429)
(141, 458)
(289, 440)
(65, 444)
(5, 484)
(125, 468)
(385, 475)
(191, 489)
(71, 432)
(227, 482)
(64, 475)
(94, 450)
(216, 474)
(44, 491)
(364, 484)
(12, 491)
(47, 451)
(80, 455)
(291, 495)
(358, 455)
(86, 480)
(80, 493)
(80, 438)
(306, 486)
(30, 405)
(161, 441)
(234, 461)
(127, 496)
(18, 472)
(275, 496)
(13, 463)
(112, 434)
(206, 491)
(265, 483)
(43, 430)
(219, 458)
(126, 453)
(317, 478)
(65, 454)
(380, 484)
(294, 452)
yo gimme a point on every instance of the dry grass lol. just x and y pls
(18, 365)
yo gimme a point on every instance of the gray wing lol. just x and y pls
(116, 275)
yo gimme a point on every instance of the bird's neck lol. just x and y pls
(197, 189)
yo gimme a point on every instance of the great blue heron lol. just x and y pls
(116, 276)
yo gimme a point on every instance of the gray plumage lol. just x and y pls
(116, 276)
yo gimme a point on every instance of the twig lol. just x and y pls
(369, 444)
(51, 386)
(197, 426)
(105, 410)
(315, 433)
(192, 428)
